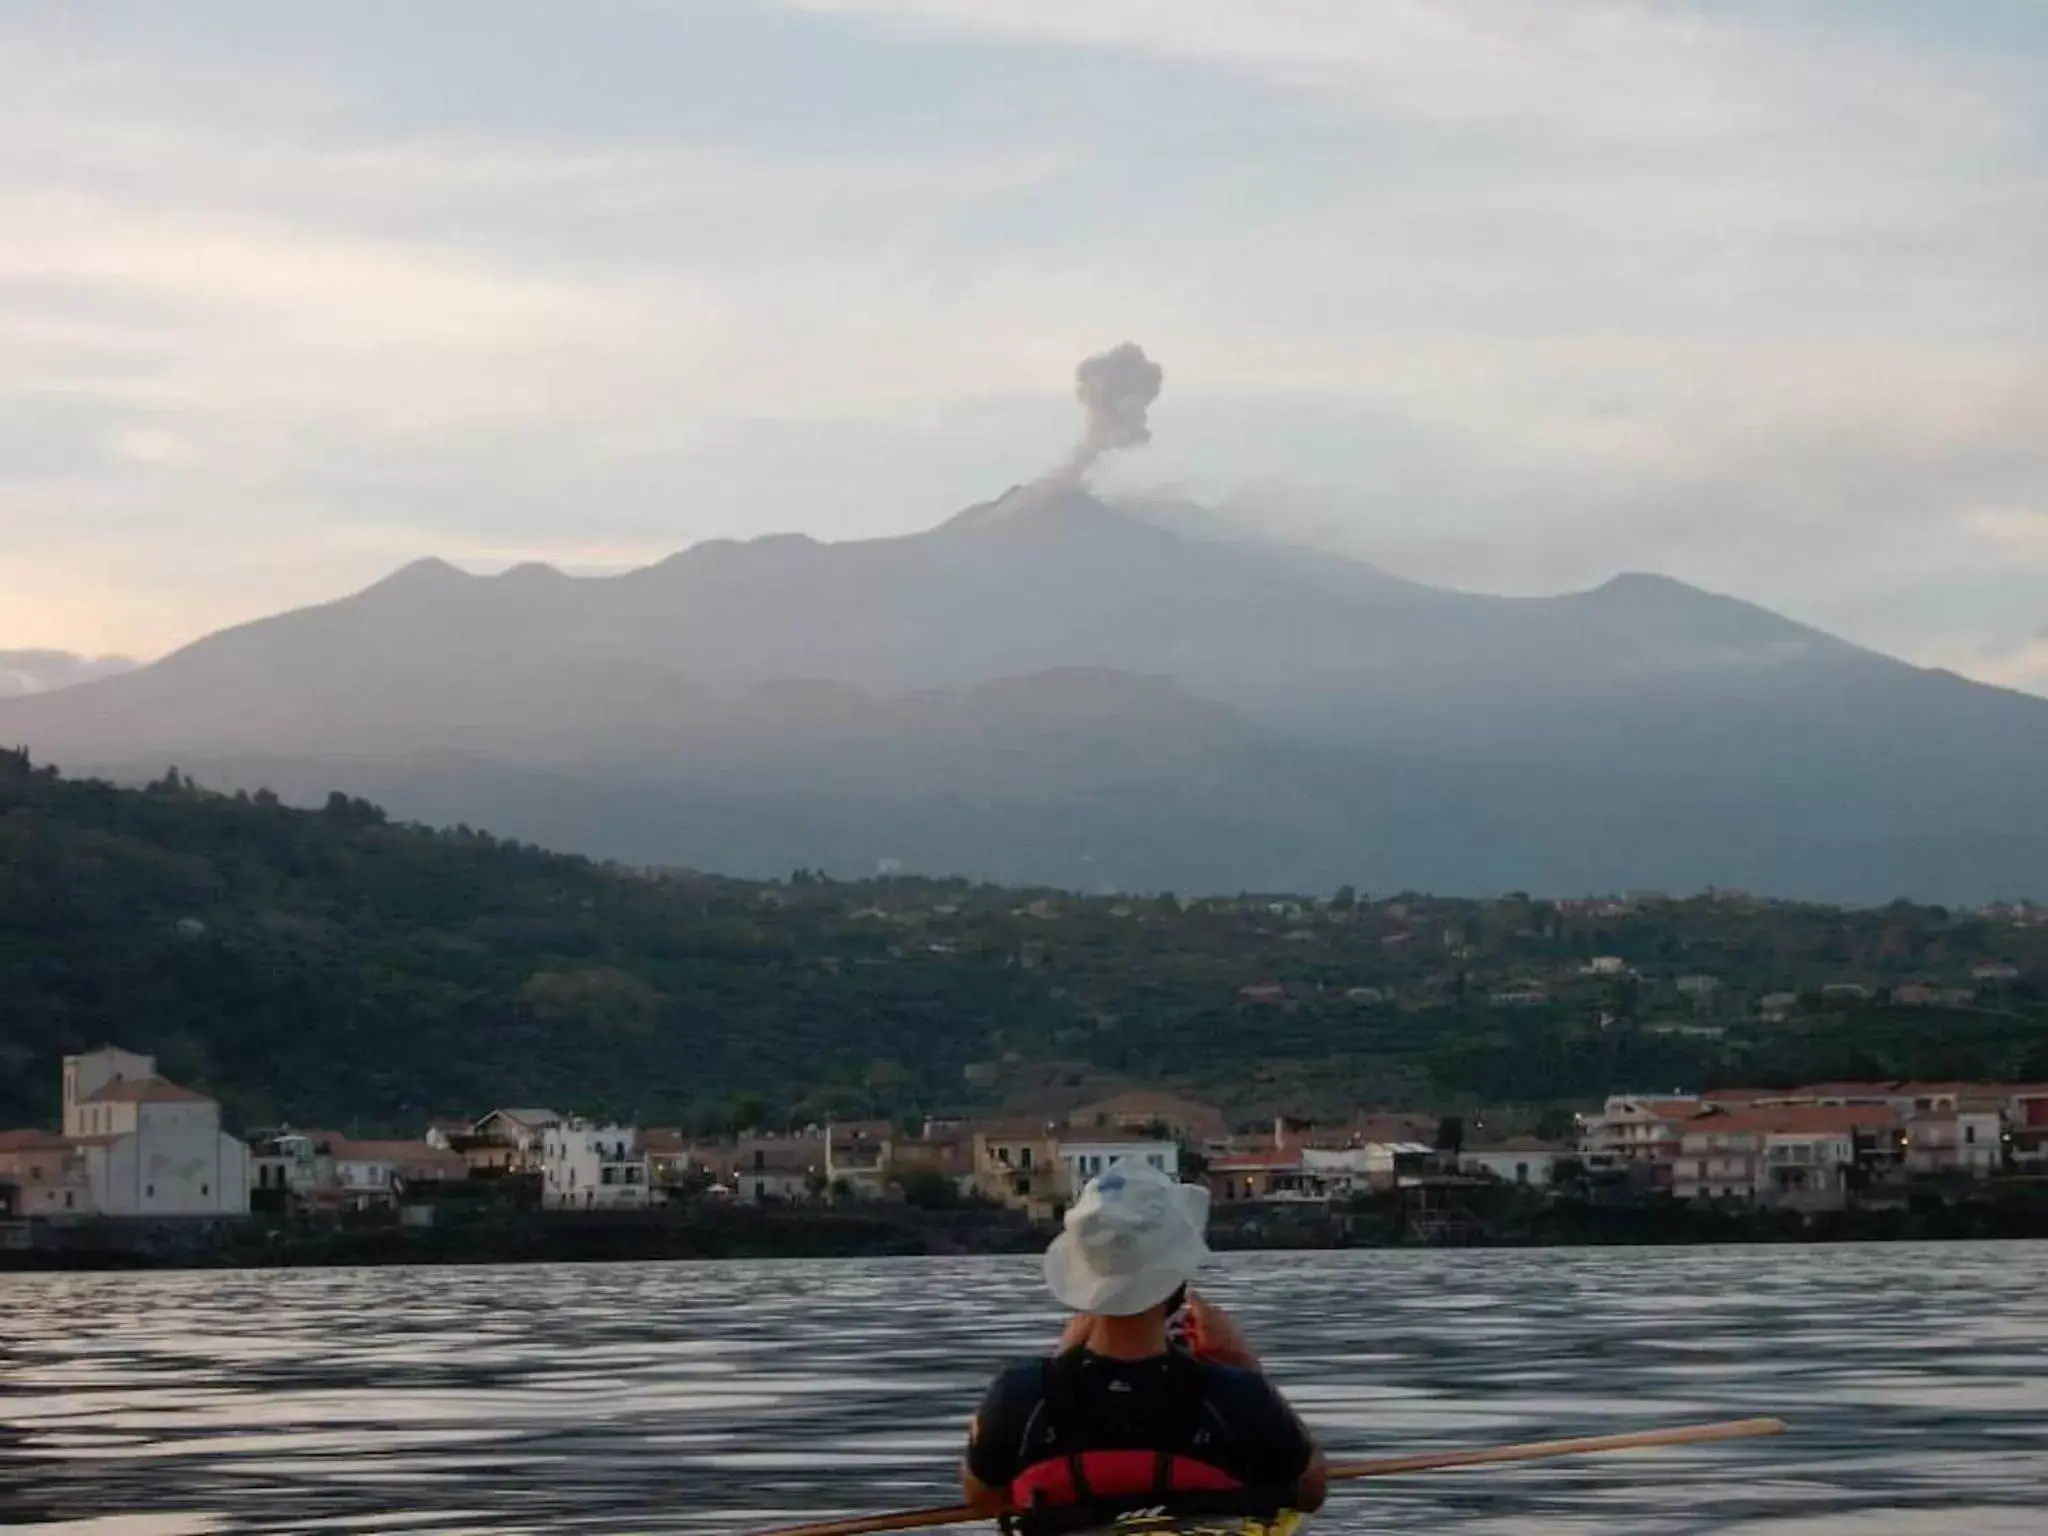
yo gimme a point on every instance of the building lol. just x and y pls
(1967, 1137)
(2026, 1113)
(1188, 1121)
(47, 1174)
(1517, 1160)
(508, 1141)
(151, 1147)
(593, 1168)
(1640, 1133)
(770, 1170)
(857, 1158)
(285, 1168)
(360, 1174)
(940, 1150)
(1806, 1156)
(1082, 1158)
(1017, 1164)
(1241, 1177)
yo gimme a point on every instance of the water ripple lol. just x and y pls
(715, 1397)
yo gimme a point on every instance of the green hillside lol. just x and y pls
(328, 967)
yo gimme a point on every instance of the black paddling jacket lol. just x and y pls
(1081, 1438)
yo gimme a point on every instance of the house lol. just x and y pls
(771, 1170)
(1241, 1177)
(509, 1140)
(1142, 1109)
(1516, 1160)
(588, 1167)
(285, 1168)
(1605, 965)
(939, 1150)
(1846, 992)
(1699, 986)
(1967, 1137)
(1017, 1164)
(669, 1164)
(1993, 972)
(1084, 1157)
(359, 1175)
(1266, 994)
(1916, 994)
(1640, 1132)
(857, 1157)
(2026, 1118)
(1521, 994)
(151, 1147)
(1797, 1155)
(47, 1174)
(1777, 1007)
(1366, 996)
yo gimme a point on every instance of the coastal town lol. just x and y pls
(137, 1148)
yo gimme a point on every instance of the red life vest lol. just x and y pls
(1115, 1475)
(1066, 1474)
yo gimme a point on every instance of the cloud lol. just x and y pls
(1504, 293)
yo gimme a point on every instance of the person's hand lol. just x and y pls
(1216, 1336)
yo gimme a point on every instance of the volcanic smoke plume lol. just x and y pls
(1115, 388)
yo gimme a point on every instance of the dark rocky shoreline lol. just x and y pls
(744, 1232)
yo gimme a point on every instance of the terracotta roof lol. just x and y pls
(1248, 1162)
(1799, 1120)
(32, 1141)
(145, 1090)
(409, 1156)
(658, 1143)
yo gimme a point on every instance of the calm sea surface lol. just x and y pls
(725, 1397)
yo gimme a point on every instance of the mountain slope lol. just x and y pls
(1047, 687)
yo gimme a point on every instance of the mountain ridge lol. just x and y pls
(1044, 655)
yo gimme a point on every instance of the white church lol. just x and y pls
(150, 1147)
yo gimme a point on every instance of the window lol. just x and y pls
(1157, 1160)
(1521, 1173)
(67, 1199)
(204, 1191)
(149, 1191)
(1970, 1134)
(1023, 1157)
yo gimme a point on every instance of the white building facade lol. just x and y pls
(593, 1168)
(1082, 1159)
(151, 1148)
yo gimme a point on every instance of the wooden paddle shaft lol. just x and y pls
(1541, 1450)
(1390, 1466)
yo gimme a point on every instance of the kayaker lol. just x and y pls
(1119, 1418)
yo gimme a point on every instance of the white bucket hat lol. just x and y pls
(1133, 1238)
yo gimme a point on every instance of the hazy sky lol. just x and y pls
(1509, 294)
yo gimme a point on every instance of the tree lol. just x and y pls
(1450, 1134)
(1557, 1125)
(1345, 899)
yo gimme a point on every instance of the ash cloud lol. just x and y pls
(1116, 388)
